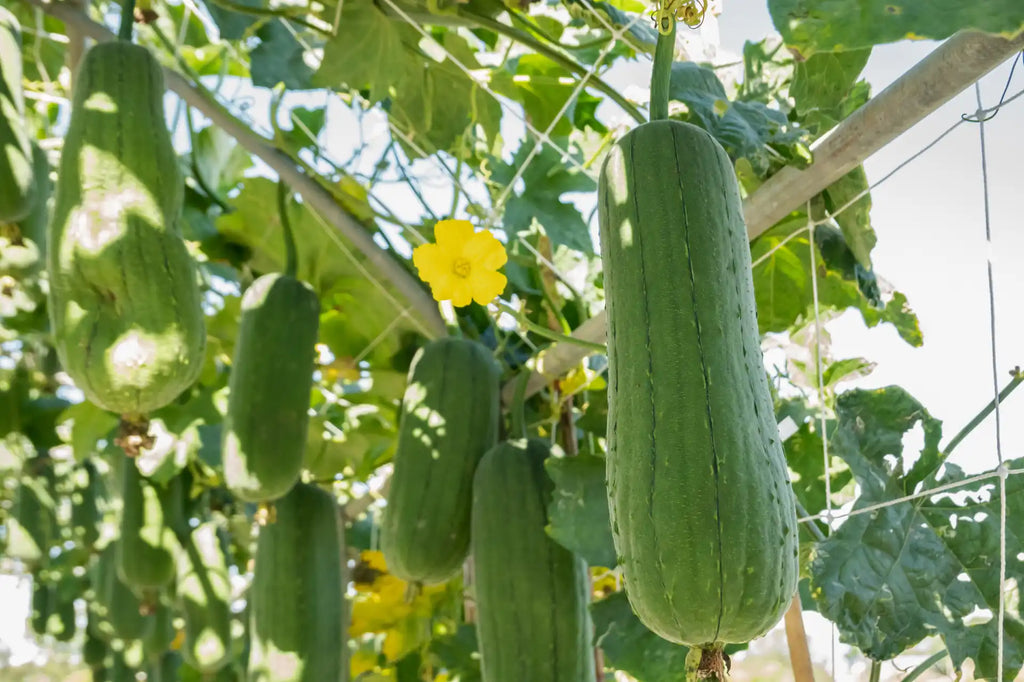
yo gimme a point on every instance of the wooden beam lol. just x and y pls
(946, 72)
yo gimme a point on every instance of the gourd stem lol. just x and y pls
(291, 259)
(876, 671)
(127, 20)
(661, 74)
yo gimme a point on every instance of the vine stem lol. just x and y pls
(661, 74)
(876, 671)
(127, 21)
(925, 665)
(1017, 380)
(546, 333)
(291, 258)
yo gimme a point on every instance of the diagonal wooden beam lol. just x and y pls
(948, 70)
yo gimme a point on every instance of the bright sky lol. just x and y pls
(931, 246)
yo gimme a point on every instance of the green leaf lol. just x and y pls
(810, 26)
(89, 425)
(231, 24)
(546, 179)
(221, 160)
(457, 654)
(854, 221)
(892, 577)
(744, 129)
(629, 646)
(543, 87)
(804, 450)
(784, 293)
(306, 125)
(824, 80)
(578, 512)
(437, 102)
(279, 58)
(368, 53)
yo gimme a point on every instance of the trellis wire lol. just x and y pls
(818, 329)
(981, 118)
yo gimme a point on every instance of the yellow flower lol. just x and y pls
(462, 266)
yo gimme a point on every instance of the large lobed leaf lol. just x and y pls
(811, 26)
(890, 577)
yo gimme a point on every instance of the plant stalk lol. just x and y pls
(127, 21)
(1017, 380)
(925, 665)
(291, 258)
(661, 74)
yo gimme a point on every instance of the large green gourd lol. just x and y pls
(702, 510)
(449, 420)
(204, 594)
(147, 552)
(297, 608)
(531, 593)
(32, 525)
(124, 301)
(118, 609)
(271, 377)
(17, 181)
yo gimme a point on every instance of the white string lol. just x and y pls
(995, 383)
(821, 401)
(906, 498)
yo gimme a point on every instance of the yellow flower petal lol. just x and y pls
(485, 251)
(462, 293)
(452, 234)
(443, 286)
(487, 285)
(430, 259)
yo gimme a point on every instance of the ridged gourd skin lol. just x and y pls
(32, 523)
(124, 298)
(450, 414)
(115, 603)
(17, 180)
(298, 618)
(703, 515)
(85, 511)
(148, 550)
(204, 595)
(531, 593)
(267, 418)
